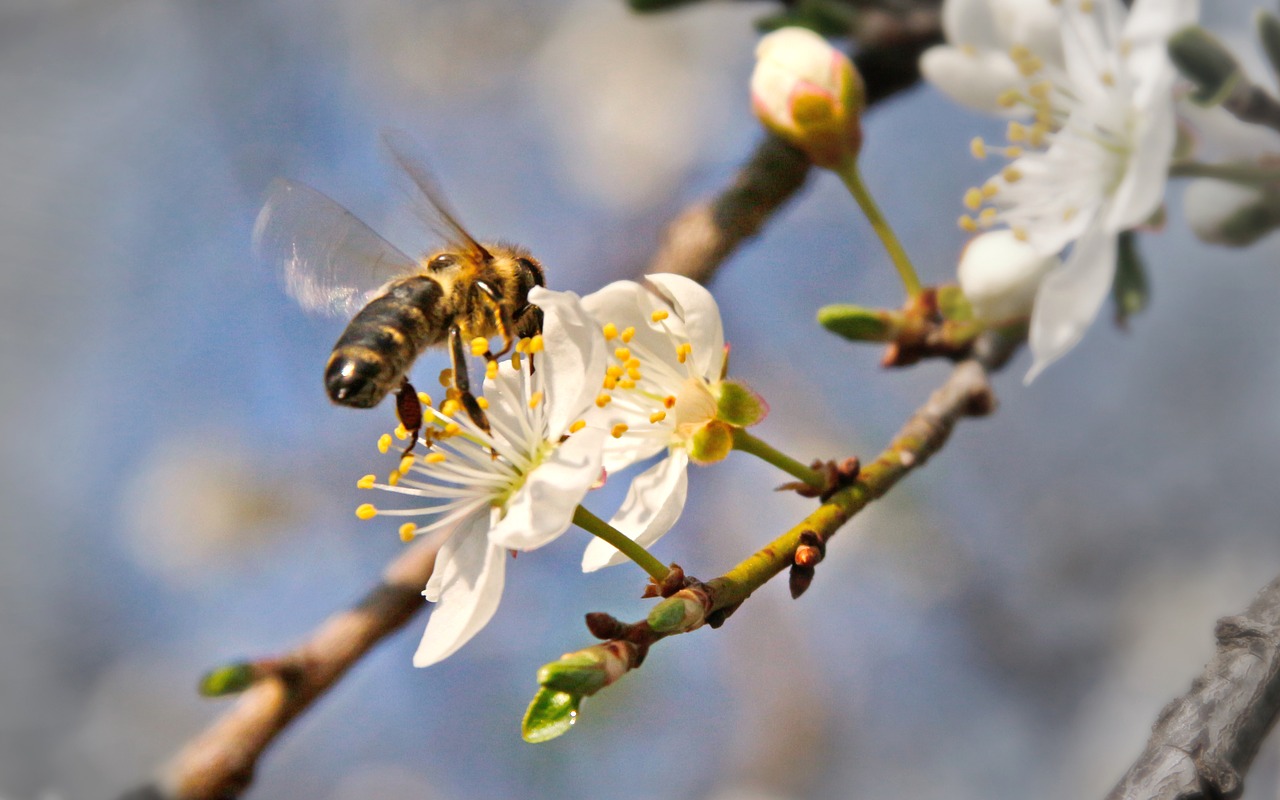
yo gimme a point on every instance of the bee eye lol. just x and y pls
(442, 262)
(533, 270)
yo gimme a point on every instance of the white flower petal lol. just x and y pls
(1070, 296)
(473, 525)
(973, 78)
(693, 304)
(652, 506)
(470, 589)
(574, 354)
(543, 507)
(1142, 189)
(971, 23)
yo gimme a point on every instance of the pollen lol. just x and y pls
(535, 344)
(614, 371)
(406, 463)
(618, 430)
(626, 383)
(577, 426)
(446, 377)
(434, 458)
(479, 346)
(366, 511)
(633, 373)
(659, 315)
(657, 416)
(1008, 98)
(622, 354)
(483, 402)
(384, 442)
(366, 482)
(628, 333)
(393, 478)
(424, 398)
(491, 370)
(978, 148)
(401, 433)
(610, 383)
(967, 224)
(973, 199)
(535, 399)
(1011, 174)
(1040, 91)
(610, 331)
(515, 361)
(603, 400)
(669, 401)
(450, 407)
(1017, 131)
(408, 531)
(683, 351)
(452, 429)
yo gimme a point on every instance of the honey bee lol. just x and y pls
(332, 263)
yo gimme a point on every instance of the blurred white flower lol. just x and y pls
(994, 49)
(999, 274)
(661, 395)
(1223, 212)
(513, 488)
(808, 92)
(1104, 168)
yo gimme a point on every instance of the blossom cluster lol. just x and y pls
(629, 373)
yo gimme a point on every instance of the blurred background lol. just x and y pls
(179, 492)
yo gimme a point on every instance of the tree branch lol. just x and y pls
(1204, 741)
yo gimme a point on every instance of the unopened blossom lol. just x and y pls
(993, 51)
(1098, 172)
(663, 393)
(809, 93)
(999, 274)
(512, 488)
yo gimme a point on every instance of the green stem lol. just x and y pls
(749, 444)
(1242, 172)
(597, 527)
(848, 172)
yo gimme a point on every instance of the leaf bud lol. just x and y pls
(1206, 62)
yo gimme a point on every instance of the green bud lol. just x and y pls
(1130, 290)
(678, 613)
(861, 324)
(1269, 34)
(582, 673)
(738, 405)
(1228, 214)
(1206, 62)
(228, 679)
(711, 443)
(550, 715)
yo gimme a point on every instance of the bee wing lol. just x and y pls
(330, 261)
(431, 206)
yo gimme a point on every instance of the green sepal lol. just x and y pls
(228, 679)
(1269, 34)
(1206, 62)
(953, 305)
(738, 405)
(551, 714)
(581, 673)
(861, 324)
(1130, 290)
(711, 443)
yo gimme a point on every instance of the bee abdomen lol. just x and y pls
(381, 342)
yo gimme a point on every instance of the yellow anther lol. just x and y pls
(577, 426)
(434, 458)
(1020, 234)
(522, 346)
(424, 398)
(669, 400)
(535, 399)
(632, 363)
(626, 383)
(366, 511)
(1040, 90)
(987, 218)
(1013, 152)
(628, 333)
(622, 354)
(657, 416)
(393, 478)
(989, 190)
(973, 199)
(491, 370)
(683, 351)
(1008, 98)
(535, 344)
(408, 531)
(453, 393)
(1069, 214)
(1086, 6)
(1017, 132)
(1108, 78)
(610, 383)
(978, 148)
(479, 346)
(515, 361)
(483, 402)
(659, 315)
(1011, 174)
(614, 371)
(384, 442)
(618, 430)
(610, 331)
(452, 429)
(1019, 52)
(450, 407)
(366, 482)
(1038, 132)
(405, 463)
(967, 224)
(401, 433)
(633, 373)
(1030, 66)
(603, 400)
(446, 377)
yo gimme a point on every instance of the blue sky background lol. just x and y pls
(179, 490)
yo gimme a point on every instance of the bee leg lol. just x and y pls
(462, 380)
(409, 411)
(528, 322)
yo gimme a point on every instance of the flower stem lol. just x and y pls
(749, 444)
(848, 172)
(597, 527)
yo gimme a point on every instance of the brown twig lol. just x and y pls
(1204, 741)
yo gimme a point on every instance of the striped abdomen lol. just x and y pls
(381, 342)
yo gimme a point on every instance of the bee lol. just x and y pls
(332, 263)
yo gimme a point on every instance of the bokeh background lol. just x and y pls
(178, 492)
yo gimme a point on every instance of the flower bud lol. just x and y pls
(1206, 62)
(1000, 275)
(1229, 214)
(808, 92)
(681, 612)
